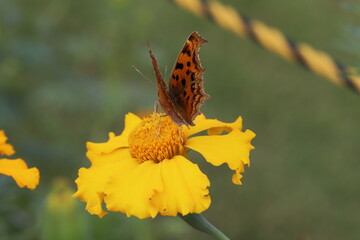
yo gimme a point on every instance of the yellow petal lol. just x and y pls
(233, 148)
(3, 137)
(5, 148)
(98, 160)
(185, 188)
(91, 181)
(213, 125)
(19, 171)
(169, 187)
(131, 191)
(115, 142)
(236, 177)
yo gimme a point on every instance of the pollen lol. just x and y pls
(156, 138)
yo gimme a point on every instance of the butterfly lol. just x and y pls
(185, 95)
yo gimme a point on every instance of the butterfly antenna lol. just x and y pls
(143, 75)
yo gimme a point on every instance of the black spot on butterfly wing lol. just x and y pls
(179, 66)
(186, 50)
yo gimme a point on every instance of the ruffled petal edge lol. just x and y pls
(167, 188)
(91, 181)
(19, 171)
(232, 148)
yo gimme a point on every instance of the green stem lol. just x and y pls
(200, 223)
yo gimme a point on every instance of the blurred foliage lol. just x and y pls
(351, 38)
(61, 219)
(66, 78)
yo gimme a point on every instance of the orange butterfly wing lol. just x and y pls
(186, 94)
(186, 82)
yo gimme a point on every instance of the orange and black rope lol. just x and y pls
(275, 41)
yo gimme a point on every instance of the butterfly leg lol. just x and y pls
(160, 123)
(156, 105)
(158, 131)
(179, 131)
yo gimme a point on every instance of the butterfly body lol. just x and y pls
(185, 95)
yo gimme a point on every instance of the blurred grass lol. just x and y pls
(66, 78)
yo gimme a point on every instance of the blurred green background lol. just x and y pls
(66, 78)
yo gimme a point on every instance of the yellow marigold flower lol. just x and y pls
(145, 170)
(16, 168)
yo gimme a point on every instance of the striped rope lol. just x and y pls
(275, 41)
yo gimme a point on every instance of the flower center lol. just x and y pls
(156, 138)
